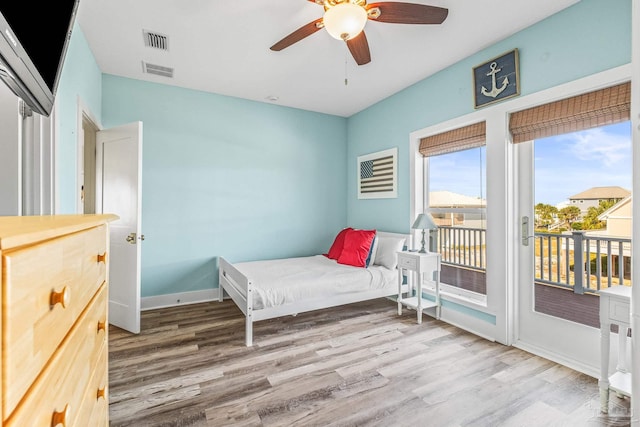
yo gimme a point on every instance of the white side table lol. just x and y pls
(615, 308)
(418, 265)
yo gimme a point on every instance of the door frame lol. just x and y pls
(84, 113)
(586, 84)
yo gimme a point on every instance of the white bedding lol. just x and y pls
(285, 281)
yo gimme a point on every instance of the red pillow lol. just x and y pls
(338, 244)
(357, 244)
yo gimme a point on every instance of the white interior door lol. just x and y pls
(119, 179)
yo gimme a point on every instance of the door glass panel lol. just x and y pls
(582, 220)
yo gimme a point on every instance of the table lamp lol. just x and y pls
(424, 222)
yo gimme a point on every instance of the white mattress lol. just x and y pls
(284, 281)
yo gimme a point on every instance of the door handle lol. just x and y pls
(525, 231)
(131, 238)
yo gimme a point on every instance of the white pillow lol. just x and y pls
(387, 251)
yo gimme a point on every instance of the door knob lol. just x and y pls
(131, 238)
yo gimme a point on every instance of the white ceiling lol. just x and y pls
(223, 47)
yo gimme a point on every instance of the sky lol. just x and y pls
(462, 172)
(564, 165)
(569, 164)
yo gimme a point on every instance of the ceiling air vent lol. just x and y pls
(155, 40)
(158, 70)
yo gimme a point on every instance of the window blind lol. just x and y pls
(598, 108)
(463, 138)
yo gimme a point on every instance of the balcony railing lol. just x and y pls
(570, 268)
(463, 247)
(582, 262)
(599, 263)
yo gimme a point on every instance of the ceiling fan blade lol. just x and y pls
(359, 48)
(298, 35)
(408, 13)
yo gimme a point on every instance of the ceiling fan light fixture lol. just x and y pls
(345, 20)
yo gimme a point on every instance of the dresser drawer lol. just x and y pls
(64, 381)
(94, 407)
(34, 323)
(408, 263)
(94, 257)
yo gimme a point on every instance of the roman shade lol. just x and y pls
(463, 138)
(594, 109)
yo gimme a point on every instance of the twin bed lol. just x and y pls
(273, 288)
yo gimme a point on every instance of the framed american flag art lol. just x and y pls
(378, 175)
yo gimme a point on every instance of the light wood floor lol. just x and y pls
(356, 365)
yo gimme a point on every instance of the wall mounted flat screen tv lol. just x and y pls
(33, 44)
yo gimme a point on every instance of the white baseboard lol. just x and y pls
(592, 371)
(469, 323)
(182, 298)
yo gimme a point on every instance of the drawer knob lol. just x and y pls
(101, 393)
(102, 258)
(60, 418)
(102, 325)
(61, 298)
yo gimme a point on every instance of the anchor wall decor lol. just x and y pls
(496, 79)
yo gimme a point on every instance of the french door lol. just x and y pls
(567, 342)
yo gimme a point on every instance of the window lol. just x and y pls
(455, 196)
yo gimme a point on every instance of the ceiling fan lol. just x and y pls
(345, 20)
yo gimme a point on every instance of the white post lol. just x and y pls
(635, 279)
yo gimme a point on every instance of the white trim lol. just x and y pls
(635, 268)
(468, 323)
(82, 110)
(592, 371)
(502, 228)
(482, 210)
(417, 186)
(47, 192)
(465, 297)
(55, 185)
(181, 298)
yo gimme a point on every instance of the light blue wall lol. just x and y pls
(228, 177)
(81, 77)
(591, 36)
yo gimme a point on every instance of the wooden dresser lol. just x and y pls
(54, 320)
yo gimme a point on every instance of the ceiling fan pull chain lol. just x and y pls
(346, 77)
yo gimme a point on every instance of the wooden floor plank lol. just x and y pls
(354, 365)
